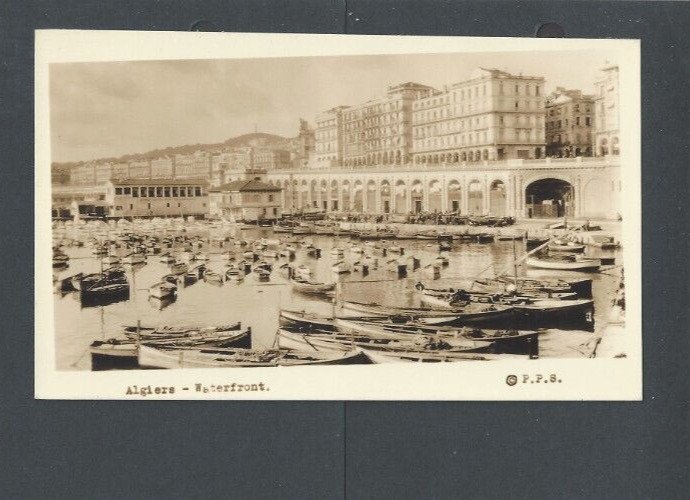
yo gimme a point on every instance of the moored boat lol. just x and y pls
(218, 357)
(311, 287)
(564, 264)
(162, 290)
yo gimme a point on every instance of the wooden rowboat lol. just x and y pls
(149, 357)
(583, 265)
(306, 286)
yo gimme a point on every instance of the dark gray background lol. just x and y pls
(62, 449)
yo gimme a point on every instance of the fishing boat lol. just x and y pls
(441, 260)
(564, 263)
(582, 287)
(504, 341)
(175, 332)
(269, 254)
(340, 267)
(234, 273)
(603, 242)
(166, 258)
(303, 272)
(484, 237)
(60, 260)
(263, 274)
(337, 252)
(110, 259)
(80, 280)
(468, 314)
(426, 235)
(395, 249)
(305, 321)
(419, 356)
(122, 352)
(565, 246)
(134, 258)
(385, 341)
(312, 251)
(509, 236)
(227, 357)
(213, 277)
(303, 285)
(162, 290)
(104, 291)
(179, 268)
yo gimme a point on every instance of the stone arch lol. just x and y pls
(333, 195)
(485, 154)
(313, 193)
(475, 197)
(550, 197)
(615, 146)
(345, 192)
(604, 147)
(597, 199)
(386, 196)
(370, 195)
(464, 156)
(358, 196)
(417, 195)
(435, 196)
(497, 198)
(400, 192)
(454, 196)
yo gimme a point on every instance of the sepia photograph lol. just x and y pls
(352, 217)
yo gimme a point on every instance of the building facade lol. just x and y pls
(492, 116)
(569, 123)
(536, 188)
(606, 119)
(379, 131)
(157, 198)
(328, 147)
(270, 159)
(192, 166)
(246, 200)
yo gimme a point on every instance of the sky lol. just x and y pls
(108, 109)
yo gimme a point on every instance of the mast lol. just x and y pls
(515, 266)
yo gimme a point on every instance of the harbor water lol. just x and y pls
(256, 304)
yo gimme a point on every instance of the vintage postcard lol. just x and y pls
(287, 216)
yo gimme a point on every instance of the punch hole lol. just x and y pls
(204, 25)
(550, 30)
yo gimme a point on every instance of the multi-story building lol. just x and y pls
(248, 199)
(270, 159)
(492, 116)
(162, 168)
(83, 174)
(193, 166)
(140, 169)
(328, 147)
(606, 117)
(120, 170)
(569, 123)
(379, 131)
(156, 198)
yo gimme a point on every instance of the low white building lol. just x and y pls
(246, 200)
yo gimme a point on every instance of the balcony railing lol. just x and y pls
(466, 165)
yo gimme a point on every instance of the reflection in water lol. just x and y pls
(256, 302)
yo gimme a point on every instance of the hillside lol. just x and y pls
(253, 139)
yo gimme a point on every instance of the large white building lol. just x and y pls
(492, 116)
(379, 131)
(606, 116)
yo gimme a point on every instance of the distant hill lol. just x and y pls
(259, 139)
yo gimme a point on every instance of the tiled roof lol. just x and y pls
(246, 185)
(159, 182)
